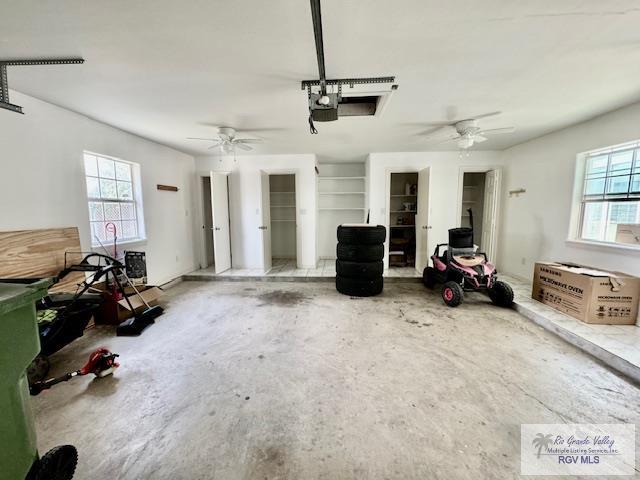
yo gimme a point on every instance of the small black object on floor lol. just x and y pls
(135, 325)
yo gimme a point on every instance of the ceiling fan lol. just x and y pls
(227, 141)
(466, 132)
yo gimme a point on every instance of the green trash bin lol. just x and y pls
(19, 344)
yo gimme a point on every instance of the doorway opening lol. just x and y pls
(408, 205)
(216, 255)
(403, 206)
(282, 206)
(480, 201)
(473, 203)
(207, 224)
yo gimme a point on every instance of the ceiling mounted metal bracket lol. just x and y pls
(348, 81)
(4, 81)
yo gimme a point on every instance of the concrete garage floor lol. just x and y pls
(295, 381)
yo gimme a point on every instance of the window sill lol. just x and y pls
(604, 245)
(137, 241)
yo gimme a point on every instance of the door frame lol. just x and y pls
(296, 176)
(387, 201)
(479, 169)
(203, 246)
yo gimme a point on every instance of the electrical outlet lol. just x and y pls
(523, 261)
(177, 258)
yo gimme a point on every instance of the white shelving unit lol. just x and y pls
(283, 216)
(473, 197)
(341, 199)
(402, 212)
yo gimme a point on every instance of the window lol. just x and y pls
(610, 208)
(114, 207)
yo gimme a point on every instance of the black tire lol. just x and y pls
(429, 277)
(38, 369)
(59, 463)
(362, 234)
(356, 287)
(452, 294)
(362, 270)
(360, 253)
(501, 294)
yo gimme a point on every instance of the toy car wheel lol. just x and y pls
(429, 277)
(59, 463)
(501, 294)
(452, 294)
(38, 369)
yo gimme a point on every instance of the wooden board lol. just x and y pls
(41, 253)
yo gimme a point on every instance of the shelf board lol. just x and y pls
(341, 193)
(283, 221)
(341, 208)
(280, 192)
(403, 196)
(403, 211)
(283, 206)
(469, 201)
(341, 178)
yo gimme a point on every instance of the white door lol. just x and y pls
(490, 213)
(422, 221)
(220, 217)
(265, 226)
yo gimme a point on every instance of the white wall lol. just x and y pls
(42, 182)
(245, 202)
(535, 225)
(445, 188)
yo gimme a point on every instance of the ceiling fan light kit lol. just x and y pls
(227, 141)
(468, 131)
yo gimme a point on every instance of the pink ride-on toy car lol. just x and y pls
(461, 268)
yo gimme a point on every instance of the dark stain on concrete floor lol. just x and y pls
(282, 298)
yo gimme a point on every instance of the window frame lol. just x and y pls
(136, 200)
(581, 198)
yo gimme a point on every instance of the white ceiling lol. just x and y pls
(166, 70)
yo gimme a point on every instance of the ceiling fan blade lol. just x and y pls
(485, 115)
(497, 131)
(242, 146)
(264, 130)
(207, 139)
(247, 140)
(445, 140)
(443, 133)
(215, 145)
(479, 138)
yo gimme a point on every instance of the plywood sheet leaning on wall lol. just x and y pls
(41, 253)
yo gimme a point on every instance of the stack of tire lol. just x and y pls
(359, 266)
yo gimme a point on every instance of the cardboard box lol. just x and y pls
(114, 313)
(588, 294)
